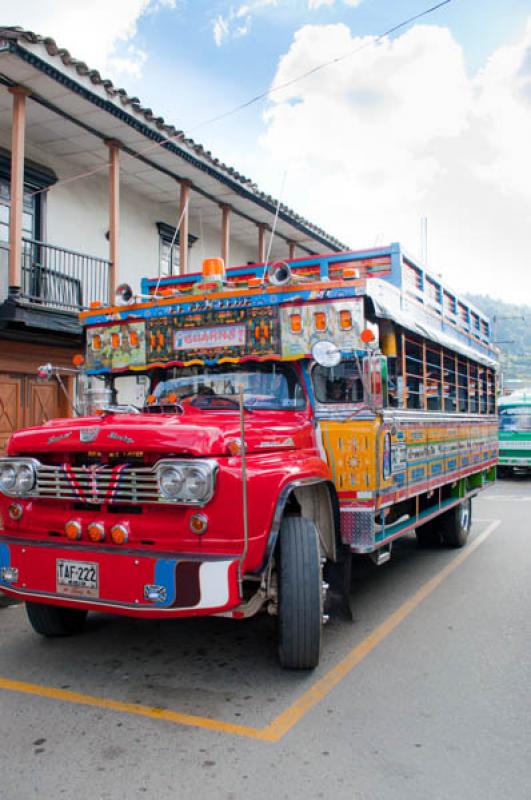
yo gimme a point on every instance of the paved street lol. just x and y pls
(425, 695)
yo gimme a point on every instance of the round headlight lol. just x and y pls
(8, 478)
(25, 479)
(197, 483)
(171, 481)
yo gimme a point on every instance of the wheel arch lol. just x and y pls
(316, 499)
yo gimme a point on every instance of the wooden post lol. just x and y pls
(17, 187)
(225, 233)
(184, 202)
(261, 243)
(114, 212)
(291, 250)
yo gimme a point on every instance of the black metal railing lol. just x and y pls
(57, 278)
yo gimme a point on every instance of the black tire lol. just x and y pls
(55, 620)
(455, 524)
(429, 534)
(300, 611)
(502, 472)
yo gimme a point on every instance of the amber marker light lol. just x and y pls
(78, 360)
(296, 323)
(15, 511)
(345, 320)
(319, 319)
(198, 523)
(95, 304)
(115, 340)
(96, 342)
(96, 532)
(119, 534)
(73, 530)
(367, 336)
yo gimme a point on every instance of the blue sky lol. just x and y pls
(434, 121)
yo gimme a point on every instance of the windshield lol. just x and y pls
(515, 418)
(267, 385)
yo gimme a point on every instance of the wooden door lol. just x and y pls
(11, 407)
(42, 402)
(24, 402)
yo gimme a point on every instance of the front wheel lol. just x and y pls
(455, 524)
(300, 611)
(55, 620)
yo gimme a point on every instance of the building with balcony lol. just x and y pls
(95, 189)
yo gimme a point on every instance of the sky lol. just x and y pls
(432, 121)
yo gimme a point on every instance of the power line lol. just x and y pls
(324, 64)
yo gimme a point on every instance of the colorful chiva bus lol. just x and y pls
(515, 433)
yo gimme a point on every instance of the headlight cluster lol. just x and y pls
(17, 476)
(190, 482)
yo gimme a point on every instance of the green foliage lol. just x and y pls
(511, 325)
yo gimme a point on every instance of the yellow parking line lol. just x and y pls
(285, 721)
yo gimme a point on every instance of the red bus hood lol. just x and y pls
(194, 433)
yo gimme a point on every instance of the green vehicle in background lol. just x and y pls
(515, 433)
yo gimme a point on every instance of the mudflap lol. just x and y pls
(338, 576)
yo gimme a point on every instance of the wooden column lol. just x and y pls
(261, 243)
(225, 233)
(17, 186)
(291, 251)
(184, 202)
(114, 212)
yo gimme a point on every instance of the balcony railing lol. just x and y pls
(56, 278)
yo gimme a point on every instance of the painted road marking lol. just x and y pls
(288, 718)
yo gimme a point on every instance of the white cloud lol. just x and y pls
(101, 33)
(315, 4)
(237, 21)
(400, 131)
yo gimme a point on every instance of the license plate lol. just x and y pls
(77, 578)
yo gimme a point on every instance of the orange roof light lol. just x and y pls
(319, 320)
(213, 268)
(367, 336)
(350, 272)
(296, 323)
(95, 304)
(345, 320)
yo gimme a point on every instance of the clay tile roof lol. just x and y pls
(21, 35)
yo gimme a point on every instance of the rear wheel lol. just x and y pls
(455, 524)
(300, 611)
(55, 620)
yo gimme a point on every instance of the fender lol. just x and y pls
(282, 500)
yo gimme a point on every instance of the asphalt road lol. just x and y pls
(424, 695)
